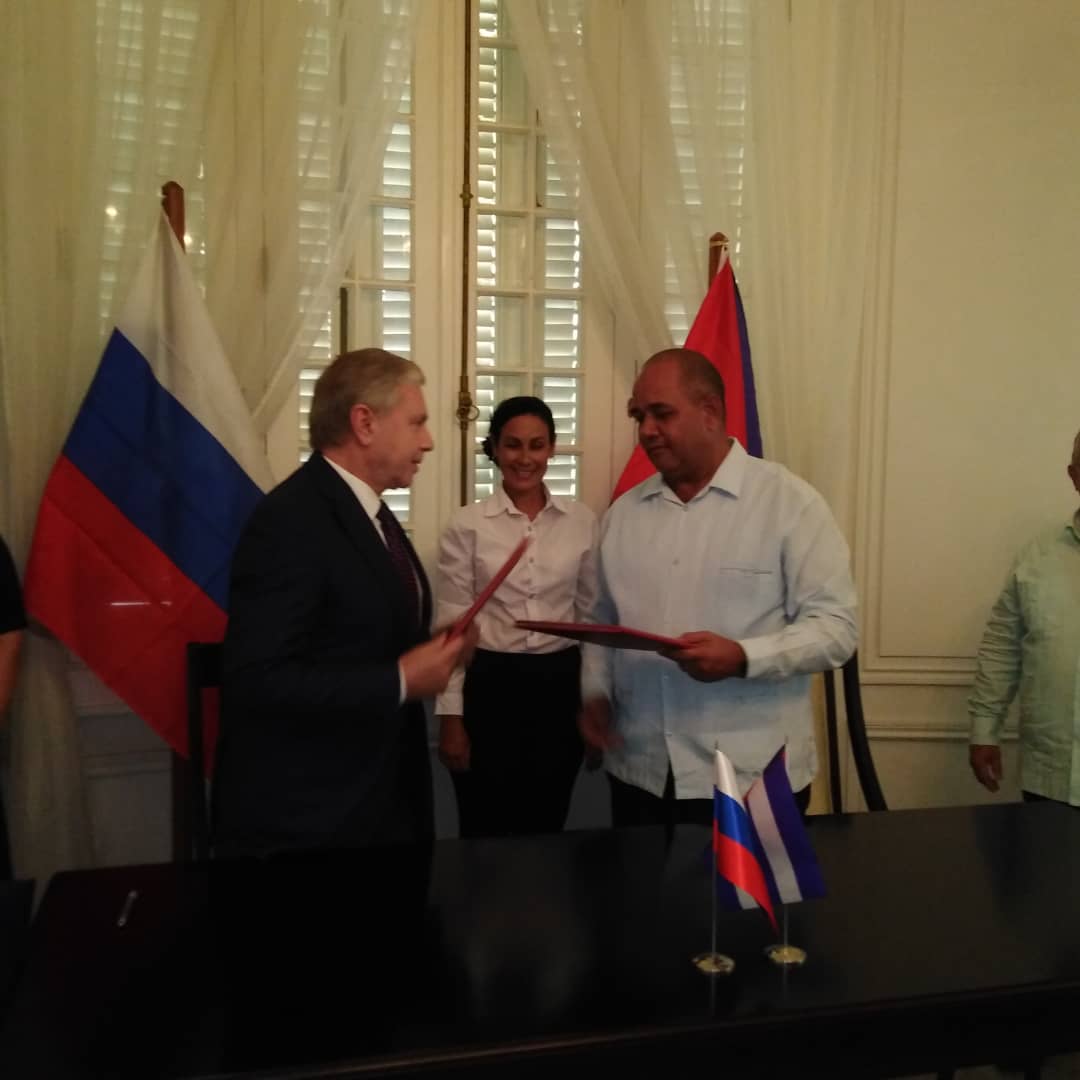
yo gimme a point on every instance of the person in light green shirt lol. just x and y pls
(1032, 643)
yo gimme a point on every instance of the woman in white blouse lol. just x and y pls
(508, 726)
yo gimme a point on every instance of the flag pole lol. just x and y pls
(172, 202)
(718, 245)
(782, 954)
(715, 890)
(182, 774)
(713, 962)
(785, 955)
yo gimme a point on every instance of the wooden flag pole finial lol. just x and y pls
(718, 244)
(172, 202)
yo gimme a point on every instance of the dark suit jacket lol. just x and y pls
(315, 750)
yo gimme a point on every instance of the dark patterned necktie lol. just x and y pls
(397, 545)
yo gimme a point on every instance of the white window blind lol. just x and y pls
(527, 331)
(730, 65)
(315, 154)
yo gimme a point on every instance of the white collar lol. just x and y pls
(501, 503)
(728, 476)
(369, 498)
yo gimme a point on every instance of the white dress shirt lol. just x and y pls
(555, 579)
(755, 556)
(369, 498)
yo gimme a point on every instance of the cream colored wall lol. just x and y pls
(975, 395)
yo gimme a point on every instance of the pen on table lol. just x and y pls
(125, 911)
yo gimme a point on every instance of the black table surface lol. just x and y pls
(948, 937)
(15, 901)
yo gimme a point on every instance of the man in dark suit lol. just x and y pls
(327, 657)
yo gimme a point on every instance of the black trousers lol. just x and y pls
(631, 805)
(525, 750)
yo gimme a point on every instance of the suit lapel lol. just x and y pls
(361, 531)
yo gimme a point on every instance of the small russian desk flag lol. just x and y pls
(777, 840)
(734, 840)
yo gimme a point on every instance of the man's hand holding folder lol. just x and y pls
(707, 657)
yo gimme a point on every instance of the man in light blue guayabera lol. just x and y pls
(1032, 643)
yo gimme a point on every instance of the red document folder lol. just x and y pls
(462, 624)
(614, 637)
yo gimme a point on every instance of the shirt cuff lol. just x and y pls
(984, 731)
(757, 656)
(450, 703)
(591, 689)
(595, 676)
(401, 684)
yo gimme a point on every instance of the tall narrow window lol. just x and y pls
(527, 258)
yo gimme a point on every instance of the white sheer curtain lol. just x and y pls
(696, 114)
(304, 157)
(100, 104)
(646, 233)
(274, 118)
(825, 88)
(772, 121)
(549, 35)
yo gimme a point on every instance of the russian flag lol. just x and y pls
(718, 333)
(142, 510)
(734, 841)
(779, 841)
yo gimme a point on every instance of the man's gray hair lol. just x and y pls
(371, 377)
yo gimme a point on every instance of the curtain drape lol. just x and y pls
(274, 118)
(825, 88)
(687, 61)
(772, 121)
(550, 36)
(101, 103)
(299, 167)
(697, 114)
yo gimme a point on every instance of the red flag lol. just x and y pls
(719, 333)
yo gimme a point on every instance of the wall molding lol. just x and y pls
(916, 675)
(873, 398)
(126, 763)
(894, 733)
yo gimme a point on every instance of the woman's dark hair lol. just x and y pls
(507, 410)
